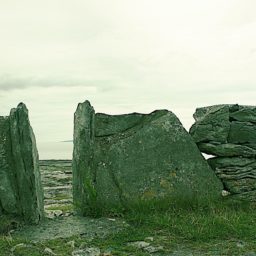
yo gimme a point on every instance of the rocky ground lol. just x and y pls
(155, 234)
(56, 178)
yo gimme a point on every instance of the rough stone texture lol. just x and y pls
(212, 124)
(56, 178)
(20, 189)
(235, 161)
(227, 149)
(123, 159)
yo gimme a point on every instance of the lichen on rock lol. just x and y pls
(122, 159)
(231, 139)
(20, 190)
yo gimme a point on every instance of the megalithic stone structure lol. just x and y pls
(228, 132)
(21, 192)
(124, 159)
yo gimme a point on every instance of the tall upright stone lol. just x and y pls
(21, 192)
(122, 159)
(82, 167)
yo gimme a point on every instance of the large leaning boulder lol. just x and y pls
(122, 159)
(228, 132)
(20, 183)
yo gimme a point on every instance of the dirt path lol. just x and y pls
(70, 226)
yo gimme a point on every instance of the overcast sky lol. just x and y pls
(124, 56)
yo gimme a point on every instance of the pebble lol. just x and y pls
(139, 244)
(21, 245)
(92, 251)
(49, 251)
(71, 243)
(152, 249)
(146, 246)
(150, 239)
(240, 244)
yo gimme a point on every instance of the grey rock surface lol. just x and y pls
(212, 124)
(235, 161)
(20, 190)
(238, 174)
(123, 159)
(227, 149)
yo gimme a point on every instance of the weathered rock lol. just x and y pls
(222, 130)
(8, 200)
(226, 149)
(237, 174)
(242, 133)
(20, 190)
(244, 114)
(212, 124)
(49, 251)
(235, 163)
(122, 159)
(139, 244)
(91, 251)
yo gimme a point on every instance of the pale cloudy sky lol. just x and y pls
(124, 56)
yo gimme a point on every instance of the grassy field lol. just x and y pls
(223, 228)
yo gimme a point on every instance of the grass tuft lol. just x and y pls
(7, 223)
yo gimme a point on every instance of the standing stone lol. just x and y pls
(82, 165)
(20, 190)
(122, 159)
(8, 188)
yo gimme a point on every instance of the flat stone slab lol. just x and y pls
(227, 149)
(238, 175)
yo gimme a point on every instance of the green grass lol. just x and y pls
(7, 223)
(202, 224)
(200, 228)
